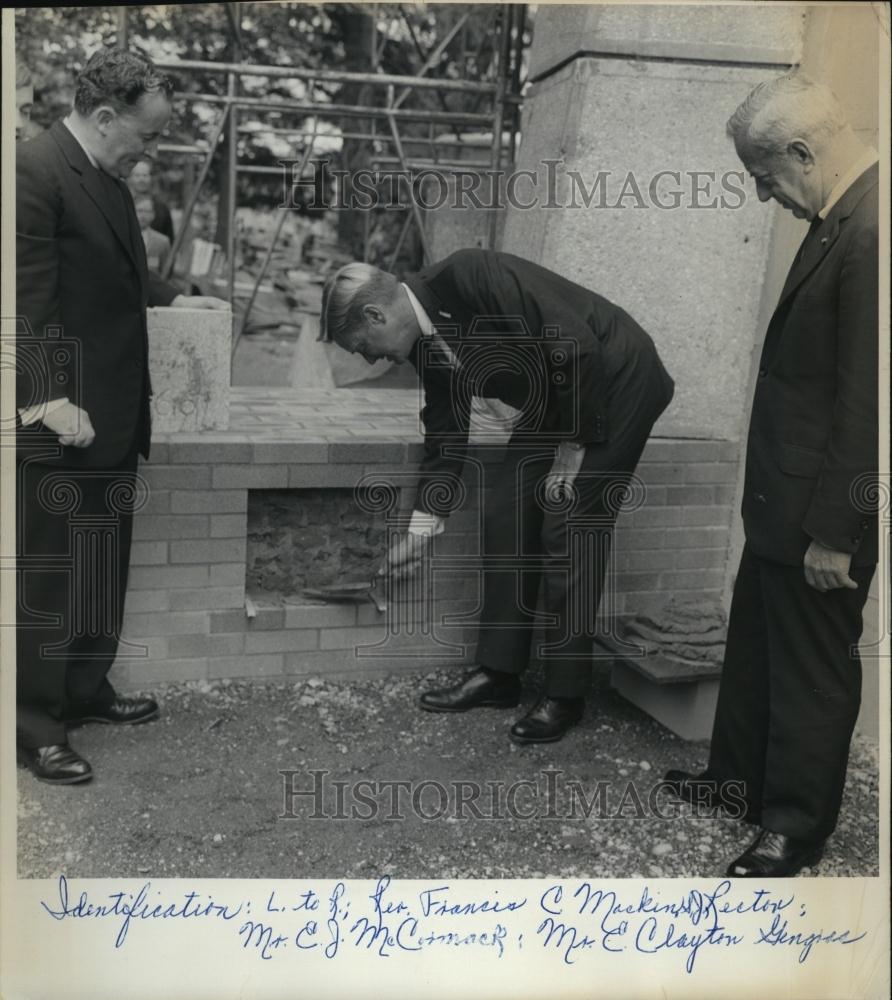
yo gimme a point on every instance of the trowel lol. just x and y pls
(349, 593)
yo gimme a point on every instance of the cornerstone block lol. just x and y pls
(189, 359)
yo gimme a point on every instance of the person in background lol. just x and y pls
(24, 100)
(140, 183)
(791, 682)
(157, 245)
(83, 390)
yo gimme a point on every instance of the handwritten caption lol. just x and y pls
(568, 920)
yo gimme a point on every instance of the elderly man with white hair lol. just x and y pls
(791, 684)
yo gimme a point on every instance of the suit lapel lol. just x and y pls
(94, 187)
(818, 242)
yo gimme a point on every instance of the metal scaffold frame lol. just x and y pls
(503, 115)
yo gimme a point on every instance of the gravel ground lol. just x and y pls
(198, 793)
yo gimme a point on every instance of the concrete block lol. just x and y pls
(319, 476)
(164, 671)
(208, 502)
(163, 527)
(189, 451)
(262, 477)
(178, 477)
(269, 665)
(162, 577)
(685, 709)
(148, 553)
(717, 33)
(189, 360)
(206, 645)
(281, 641)
(210, 598)
(227, 575)
(238, 621)
(290, 453)
(218, 550)
(166, 623)
(146, 600)
(320, 615)
(228, 525)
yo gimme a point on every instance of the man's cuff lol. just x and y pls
(31, 414)
(423, 523)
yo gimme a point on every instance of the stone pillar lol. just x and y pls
(634, 100)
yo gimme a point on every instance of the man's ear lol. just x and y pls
(103, 117)
(374, 315)
(801, 152)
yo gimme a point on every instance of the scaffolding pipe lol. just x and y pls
(425, 249)
(193, 195)
(231, 165)
(467, 119)
(498, 117)
(283, 215)
(299, 133)
(330, 76)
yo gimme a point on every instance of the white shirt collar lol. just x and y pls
(864, 161)
(67, 123)
(424, 321)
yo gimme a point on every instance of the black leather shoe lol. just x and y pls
(548, 720)
(120, 712)
(774, 855)
(58, 764)
(706, 792)
(481, 689)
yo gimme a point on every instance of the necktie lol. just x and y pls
(816, 223)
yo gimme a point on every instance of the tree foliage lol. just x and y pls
(55, 42)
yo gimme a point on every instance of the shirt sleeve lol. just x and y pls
(423, 523)
(31, 414)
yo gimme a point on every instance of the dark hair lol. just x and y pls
(118, 79)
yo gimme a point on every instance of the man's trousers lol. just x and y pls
(789, 695)
(528, 540)
(73, 532)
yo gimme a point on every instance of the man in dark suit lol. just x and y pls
(791, 684)
(588, 384)
(82, 402)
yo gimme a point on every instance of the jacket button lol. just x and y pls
(865, 525)
(763, 372)
(760, 497)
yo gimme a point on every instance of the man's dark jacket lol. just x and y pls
(81, 271)
(531, 338)
(812, 452)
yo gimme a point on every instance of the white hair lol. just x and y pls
(778, 111)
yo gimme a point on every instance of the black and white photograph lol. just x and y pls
(446, 500)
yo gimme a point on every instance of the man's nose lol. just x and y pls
(369, 360)
(762, 192)
(150, 150)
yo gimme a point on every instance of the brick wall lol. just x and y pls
(185, 612)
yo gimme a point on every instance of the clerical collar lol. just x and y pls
(67, 123)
